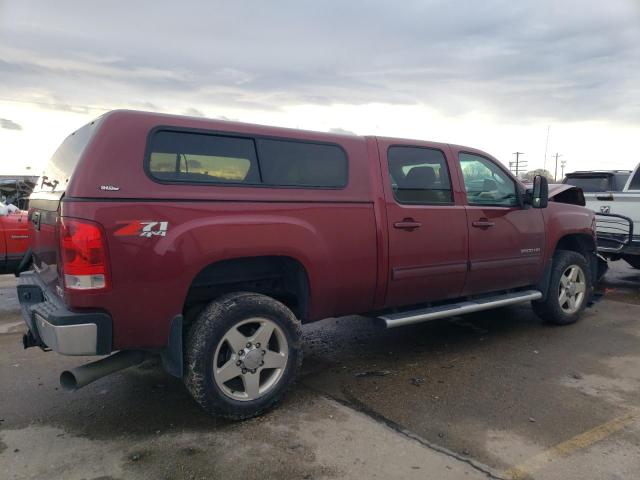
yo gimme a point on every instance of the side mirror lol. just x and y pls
(540, 195)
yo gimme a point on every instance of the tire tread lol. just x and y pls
(214, 321)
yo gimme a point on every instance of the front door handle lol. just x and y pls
(605, 197)
(483, 223)
(407, 224)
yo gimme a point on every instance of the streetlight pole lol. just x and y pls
(555, 173)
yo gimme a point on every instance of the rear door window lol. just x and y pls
(419, 175)
(203, 158)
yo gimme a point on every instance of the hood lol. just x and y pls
(564, 193)
(557, 188)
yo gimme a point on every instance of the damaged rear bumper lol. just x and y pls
(53, 326)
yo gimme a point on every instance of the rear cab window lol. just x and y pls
(194, 157)
(598, 182)
(595, 183)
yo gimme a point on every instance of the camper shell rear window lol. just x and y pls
(195, 157)
(60, 167)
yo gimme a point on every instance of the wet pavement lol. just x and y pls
(622, 283)
(497, 394)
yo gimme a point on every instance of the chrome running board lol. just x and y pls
(460, 308)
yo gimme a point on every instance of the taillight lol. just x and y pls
(83, 255)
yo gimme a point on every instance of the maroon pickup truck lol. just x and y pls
(210, 242)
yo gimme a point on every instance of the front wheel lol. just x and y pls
(569, 289)
(241, 355)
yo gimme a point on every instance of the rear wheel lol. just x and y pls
(569, 289)
(241, 355)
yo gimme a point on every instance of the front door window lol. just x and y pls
(486, 183)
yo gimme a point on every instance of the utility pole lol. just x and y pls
(563, 163)
(516, 164)
(555, 173)
(546, 147)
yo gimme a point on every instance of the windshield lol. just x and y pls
(635, 181)
(621, 180)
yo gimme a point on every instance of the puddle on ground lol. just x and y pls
(612, 389)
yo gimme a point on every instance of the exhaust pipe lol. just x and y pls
(78, 377)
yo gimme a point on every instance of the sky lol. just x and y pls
(492, 74)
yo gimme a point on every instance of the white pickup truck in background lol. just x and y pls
(615, 197)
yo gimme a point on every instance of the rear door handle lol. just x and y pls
(407, 224)
(483, 223)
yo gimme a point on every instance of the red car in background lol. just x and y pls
(14, 238)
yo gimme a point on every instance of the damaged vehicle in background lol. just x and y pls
(210, 242)
(14, 228)
(15, 190)
(615, 198)
(14, 238)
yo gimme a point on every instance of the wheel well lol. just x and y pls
(579, 242)
(282, 278)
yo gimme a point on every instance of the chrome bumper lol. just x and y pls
(80, 339)
(53, 326)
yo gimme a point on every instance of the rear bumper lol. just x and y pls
(52, 325)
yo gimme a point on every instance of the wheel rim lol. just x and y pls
(250, 359)
(572, 289)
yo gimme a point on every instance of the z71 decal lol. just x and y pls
(139, 228)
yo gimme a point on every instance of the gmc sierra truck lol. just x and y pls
(209, 243)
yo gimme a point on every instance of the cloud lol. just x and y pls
(193, 112)
(516, 61)
(9, 124)
(341, 131)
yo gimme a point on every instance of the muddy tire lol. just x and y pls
(569, 289)
(242, 354)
